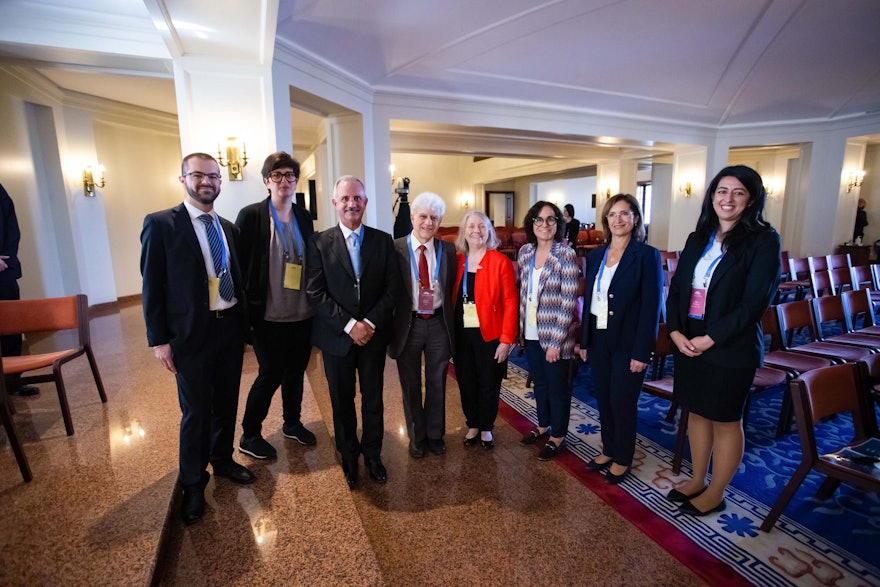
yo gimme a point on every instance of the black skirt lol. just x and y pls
(713, 392)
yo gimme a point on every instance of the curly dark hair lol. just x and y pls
(752, 219)
(534, 212)
(278, 160)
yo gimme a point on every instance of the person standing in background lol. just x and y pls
(861, 222)
(274, 236)
(10, 273)
(572, 226)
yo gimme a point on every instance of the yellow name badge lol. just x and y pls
(292, 275)
(601, 314)
(213, 292)
(471, 320)
(531, 314)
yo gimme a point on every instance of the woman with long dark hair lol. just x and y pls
(726, 276)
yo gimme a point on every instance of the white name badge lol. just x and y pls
(531, 313)
(426, 300)
(213, 292)
(292, 276)
(601, 314)
(697, 308)
(471, 320)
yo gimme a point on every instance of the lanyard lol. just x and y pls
(464, 280)
(412, 259)
(532, 270)
(708, 248)
(297, 234)
(601, 271)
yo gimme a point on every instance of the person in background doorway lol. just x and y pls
(861, 222)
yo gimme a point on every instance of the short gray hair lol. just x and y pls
(349, 178)
(428, 201)
(492, 241)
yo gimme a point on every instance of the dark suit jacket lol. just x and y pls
(740, 291)
(9, 238)
(175, 286)
(331, 287)
(254, 226)
(404, 308)
(634, 299)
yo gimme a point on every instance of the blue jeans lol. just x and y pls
(552, 390)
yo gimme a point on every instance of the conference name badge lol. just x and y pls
(532, 314)
(601, 314)
(213, 292)
(471, 320)
(698, 303)
(292, 276)
(426, 300)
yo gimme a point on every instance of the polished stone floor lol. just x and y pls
(97, 511)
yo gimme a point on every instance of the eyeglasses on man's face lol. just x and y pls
(550, 220)
(277, 176)
(199, 176)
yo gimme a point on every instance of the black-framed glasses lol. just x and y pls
(199, 176)
(277, 176)
(550, 220)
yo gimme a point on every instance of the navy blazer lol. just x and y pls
(739, 293)
(403, 312)
(255, 228)
(634, 299)
(175, 285)
(333, 292)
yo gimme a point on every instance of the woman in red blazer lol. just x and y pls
(486, 317)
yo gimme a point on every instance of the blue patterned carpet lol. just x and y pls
(835, 542)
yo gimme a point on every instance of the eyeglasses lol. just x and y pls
(199, 176)
(277, 176)
(623, 215)
(550, 220)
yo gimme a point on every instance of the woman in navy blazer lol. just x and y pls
(621, 314)
(726, 276)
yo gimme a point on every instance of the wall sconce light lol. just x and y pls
(89, 183)
(855, 180)
(768, 187)
(466, 201)
(685, 187)
(235, 160)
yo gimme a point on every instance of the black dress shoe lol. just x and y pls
(234, 472)
(437, 446)
(676, 496)
(193, 506)
(416, 449)
(688, 508)
(594, 465)
(377, 469)
(24, 391)
(487, 444)
(613, 479)
(350, 470)
(471, 441)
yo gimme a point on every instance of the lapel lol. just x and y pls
(183, 226)
(405, 267)
(724, 265)
(340, 250)
(627, 259)
(441, 261)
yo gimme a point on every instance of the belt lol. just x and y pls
(224, 313)
(437, 312)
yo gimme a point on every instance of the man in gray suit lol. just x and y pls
(352, 282)
(424, 324)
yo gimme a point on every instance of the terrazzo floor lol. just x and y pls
(101, 509)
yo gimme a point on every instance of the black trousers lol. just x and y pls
(10, 345)
(479, 377)
(207, 388)
(366, 364)
(283, 350)
(617, 395)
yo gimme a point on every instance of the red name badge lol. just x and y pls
(698, 303)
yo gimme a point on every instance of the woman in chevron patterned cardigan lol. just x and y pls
(548, 296)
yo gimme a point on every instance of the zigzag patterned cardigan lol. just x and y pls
(557, 297)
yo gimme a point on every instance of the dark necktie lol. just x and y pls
(424, 278)
(216, 245)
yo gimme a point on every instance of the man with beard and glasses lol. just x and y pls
(196, 323)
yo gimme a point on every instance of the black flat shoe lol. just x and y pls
(192, 506)
(594, 465)
(234, 472)
(613, 479)
(676, 496)
(350, 470)
(416, 449)
(532, 436)
(487, 444)
(688, 508)
(471, 441)
(377, 470)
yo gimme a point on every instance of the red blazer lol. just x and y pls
(496, 296)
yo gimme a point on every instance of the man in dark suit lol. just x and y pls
(196, 322)
(352, 283)
(424, 324)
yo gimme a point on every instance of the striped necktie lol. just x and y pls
(216, 245)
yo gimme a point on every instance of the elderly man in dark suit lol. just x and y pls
(196, 323)
(352, 283)
(424, 324)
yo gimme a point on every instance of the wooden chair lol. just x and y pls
(672, 265)
(794, 280)
(829, 309)
(862, 278)
(817, 395)
(858, 314)
(817, 263)
(836, 261)
(841, 279)
(661, 387)
(794, 316)
(820, 284)
(12, 433)
(50, 315)
(665, 256)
